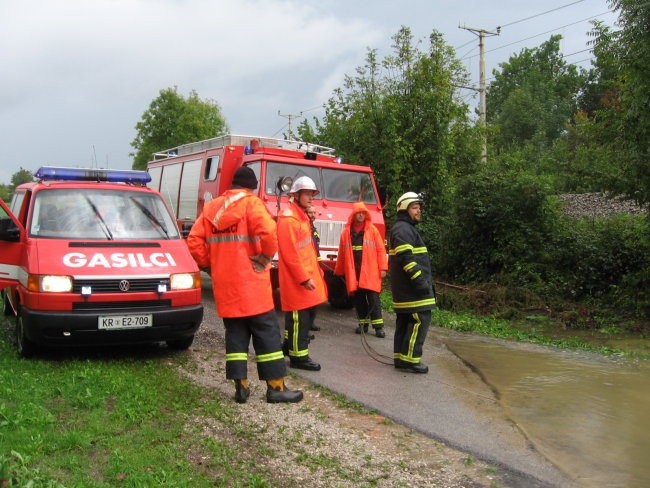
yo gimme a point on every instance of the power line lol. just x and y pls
(540, 14)
(547, 32)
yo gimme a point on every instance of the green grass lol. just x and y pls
(111, 420)
(504, 329)
(532, 329)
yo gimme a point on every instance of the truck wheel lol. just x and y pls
(180, 344)
(25, 347)
(337, 292)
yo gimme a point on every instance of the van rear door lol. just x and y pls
(11, 235)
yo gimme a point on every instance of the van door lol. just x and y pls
(11, 235)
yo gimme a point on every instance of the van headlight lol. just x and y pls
(185, 281)
(52, 283)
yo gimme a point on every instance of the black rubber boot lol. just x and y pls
(276, 395)
(379, 332)
(411, 367)
(241, 392)
(304, 363)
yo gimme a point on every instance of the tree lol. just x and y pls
(632, 174)
(18, 178)
(172, 120)
(401, 115)
(21, 176)
(5, 192)
(533, 96)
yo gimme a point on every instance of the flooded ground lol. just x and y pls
(588, 414)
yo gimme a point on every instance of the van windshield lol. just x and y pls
(100, 214)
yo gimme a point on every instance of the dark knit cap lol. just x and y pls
(245, 178)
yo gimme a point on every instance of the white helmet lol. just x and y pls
(407, 199)
(303, 183)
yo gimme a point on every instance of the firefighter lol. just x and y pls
(362, 262)
(411, 284)
(235, 239)
(311, 213)
(302, 286)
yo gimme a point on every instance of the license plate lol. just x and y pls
(112, 322)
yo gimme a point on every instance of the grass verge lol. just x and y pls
(110, 419)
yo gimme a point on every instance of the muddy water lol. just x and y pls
(587, 414)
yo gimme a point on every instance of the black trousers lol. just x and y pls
(368, 307)
(297, 325)
(410, 332)
(267, 343)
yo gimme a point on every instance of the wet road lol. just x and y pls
(451, 404)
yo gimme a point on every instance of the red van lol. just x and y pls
(94, 257)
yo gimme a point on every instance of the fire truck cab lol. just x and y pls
(93, 257)
(188, 176)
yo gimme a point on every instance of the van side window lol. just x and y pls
(16, 205)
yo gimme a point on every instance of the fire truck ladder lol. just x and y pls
(241, 140)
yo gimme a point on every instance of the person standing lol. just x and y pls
(302, 286)
(411, 285)
(311, 213)
(235, 239)
(362, 261)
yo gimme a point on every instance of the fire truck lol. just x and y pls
(190, 175)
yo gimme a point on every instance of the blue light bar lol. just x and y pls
(91, 174)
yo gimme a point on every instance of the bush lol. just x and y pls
(507, 228)
(604, 261)
(500, 226)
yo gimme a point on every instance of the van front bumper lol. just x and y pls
(82, 327)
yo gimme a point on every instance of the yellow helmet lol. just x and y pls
(407, 199)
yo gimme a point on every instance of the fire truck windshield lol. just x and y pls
(348, 186)
(333, 184)
(100, 214)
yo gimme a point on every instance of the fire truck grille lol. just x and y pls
(120, 285)
(146, 305)
(329, 232)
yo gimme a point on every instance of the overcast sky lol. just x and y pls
(77, 75)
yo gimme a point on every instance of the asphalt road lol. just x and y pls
(450, 404)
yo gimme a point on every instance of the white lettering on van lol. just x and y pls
(98, 260)
(118, 260)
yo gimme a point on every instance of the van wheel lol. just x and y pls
(180, 344)
(25, 347)
(6, 307)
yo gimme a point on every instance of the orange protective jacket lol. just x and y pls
(373, 257)
(298, 261)
(231, 228)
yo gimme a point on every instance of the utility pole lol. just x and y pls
(290, 117)
(481, 33)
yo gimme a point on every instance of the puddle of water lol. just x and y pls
(589, 415)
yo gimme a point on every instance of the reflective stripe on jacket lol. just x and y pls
(373, 257)
(298, 262)
(231, 228)
(410, 268)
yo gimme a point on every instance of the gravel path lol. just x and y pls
(325, 441)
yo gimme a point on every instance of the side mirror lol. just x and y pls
(9, 231)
